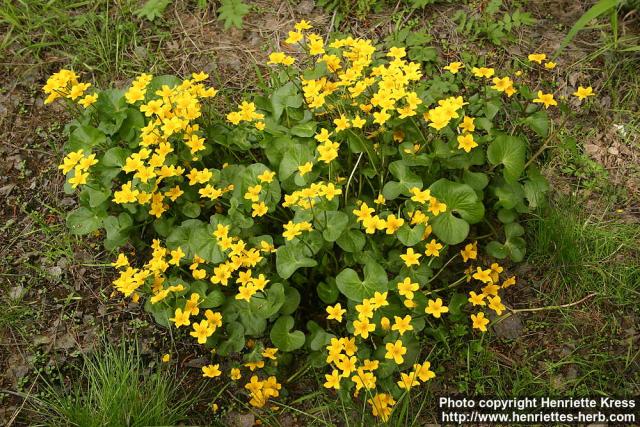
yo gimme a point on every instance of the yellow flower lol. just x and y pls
(433, 248)
(479, 321)
(420, 196)
(467, 124)
(294, 37)
(363, 213)
(305, 169)
(545, 98)
(583, 92)
(411, 258)
(483, 275)
(397, 52)
(181, 318)
(395, 351)
(393, 224)
(362, 327)
(423, 371)
(509, 282)
(402, 325)
(550, 65)
(235, 374)
(335, 312)
(454, 67)
(201, 331)
(502, 84)
(476, 299)
(466, 142)
(406, 288)
(88, 100)
(436, 308)
(483, 72)
(259, 209)
(211, 371)
(407, 381)
(496, 305)
(303, 25)
(176, 256)
(266, 176)
(333, 380)
(122, 261)
(166, 358)
(270, 353)
(470, 251)
(537, 57)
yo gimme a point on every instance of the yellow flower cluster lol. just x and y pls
(247, 113)
(490, 279)
(308, 197)
(261, 391)
(65, 84)
(80, 165)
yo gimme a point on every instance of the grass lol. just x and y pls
(98, 37)
(114, 388)
(583, 252)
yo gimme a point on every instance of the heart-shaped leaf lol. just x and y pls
(463, 208)
(283, 338)
(509, 151)
(375, 280)
(290, 257)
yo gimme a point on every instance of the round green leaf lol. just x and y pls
(463, 208)
(290, 257)
(375, 280)
(281, 336)
(509, 151)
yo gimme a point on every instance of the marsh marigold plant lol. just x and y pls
(356, 211)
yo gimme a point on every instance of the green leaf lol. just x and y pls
(514, 246)
(351, 241)
(267, 304)
(194, 237)
(328, 291)
(334, 223)
(235, 341)
(297, 154)
(213, 299)
(508, 151)
(96, 197)
(456, 303)
(283, 97)
(291, 300)
(290, 257)
(409, 236)
(281, 336)
(406, 180)
(117, 230)
(491, 108)
(191, 209)
(463, 208)
(160, 311)
(535, 187)
(475, 180)
(85, 138)
(111, 109)
(84, 221)
(304, 130)
(232, 12)
(152, 9)
(539, 123)
(375, 280)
